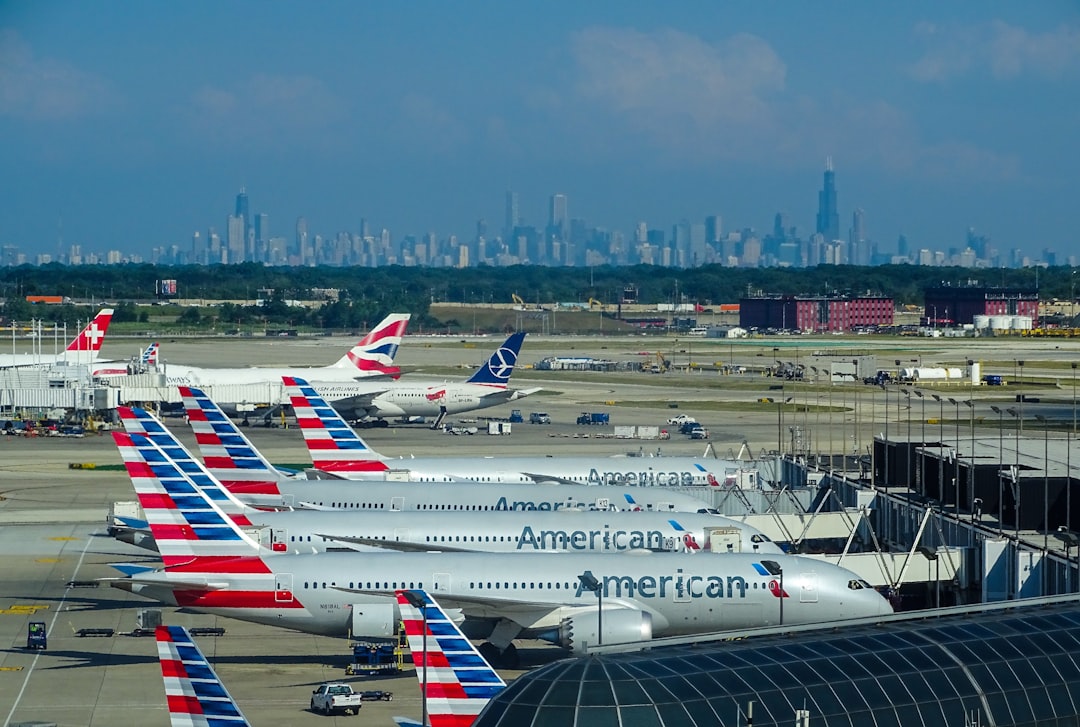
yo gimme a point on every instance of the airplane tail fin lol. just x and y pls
(193, 691)
(374, 354)
(228, 454)
(149, 355)
(460, 682)
(161, 445)
(496, 372)
(334, 445)
(191, 533)
(92, 336)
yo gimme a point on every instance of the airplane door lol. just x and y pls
(680, 588)
(808, 588)
(401, 535)
(724, 540)
(603, 503)
(283, 588)
(440, 582)
(288, 500)
(397, 504)
(279, 540)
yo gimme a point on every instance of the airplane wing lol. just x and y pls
(522, 393)
(396, 545)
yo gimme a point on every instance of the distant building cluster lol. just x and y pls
(562, 241)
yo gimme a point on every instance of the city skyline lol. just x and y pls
(418, 119)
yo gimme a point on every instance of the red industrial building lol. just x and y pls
(818, 314)
(950, 305)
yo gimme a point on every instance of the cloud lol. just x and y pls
(45, 89)
(673, 82)
(1006, 51)
(284, 109)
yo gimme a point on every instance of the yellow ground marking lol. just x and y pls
(25, 609)
(47, 560)
(63, 537)
(11, 668)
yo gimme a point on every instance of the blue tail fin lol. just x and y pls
(497, 370)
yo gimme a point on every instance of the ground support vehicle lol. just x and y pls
(335, 698)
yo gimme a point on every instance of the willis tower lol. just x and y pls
(828, 219)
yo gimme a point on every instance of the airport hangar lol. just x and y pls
(1003, 665)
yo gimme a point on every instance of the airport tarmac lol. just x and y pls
(52, 518)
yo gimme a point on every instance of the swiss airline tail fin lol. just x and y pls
(374, 354)
(496, 372)
(459, 681)
(228, 454)
(193, 691)
(334, 445)
(91, 337)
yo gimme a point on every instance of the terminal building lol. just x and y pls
(816, 314)
(958, 305)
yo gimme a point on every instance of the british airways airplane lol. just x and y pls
(211, 565)
(83, 349)
(300, 531)
(373, 356)
(246, 473)
(336, 447)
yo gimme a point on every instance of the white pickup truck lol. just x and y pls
(335, 698)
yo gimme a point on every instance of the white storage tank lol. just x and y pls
(1021, 323)
(1001, 323)
(981, 321)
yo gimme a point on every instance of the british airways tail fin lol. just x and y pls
(228, 454)
(374, 354)
(497, 370)
(193, 691)
(459, 681)
(161, 447)
(334, 445)
(92, 336)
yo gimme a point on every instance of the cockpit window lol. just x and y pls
(857, 584)
(760, 538)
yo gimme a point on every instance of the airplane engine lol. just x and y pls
(620, 627)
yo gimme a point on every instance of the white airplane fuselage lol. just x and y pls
(357, 400)
(677, 593)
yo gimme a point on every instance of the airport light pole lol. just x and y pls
(1015, 479)
(922, 460)
(956, 456)
(1001, 465)
(1021, 402)
(590, 583)
(971, 462)
(941, 438)
(932, 554)
(1073, 364)
(1046, 480)
(417, 601)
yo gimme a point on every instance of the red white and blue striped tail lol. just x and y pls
(193, 691)
(150, 354)
(334, 445)
(228, 454)
(374, 354)
(162, 447)
(192, 534)
(460, 682)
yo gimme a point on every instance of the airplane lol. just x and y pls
(211, 565)
(373, 356)
(146, 360)
(231, 459)
(84, 348)
(335, 447)
(196, 697)
(315, 531)
(373, 403)
(456, 682)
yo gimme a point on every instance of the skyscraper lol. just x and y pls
(828, 219)
(513, 217)
(557, 216)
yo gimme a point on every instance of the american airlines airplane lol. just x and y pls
(374, 402)
(196, 697)
(83, 349)
(211, 565)
(300, 531)
(336, 447)
(372, 356)
(232, 459)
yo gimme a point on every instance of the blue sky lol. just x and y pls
(137, 122)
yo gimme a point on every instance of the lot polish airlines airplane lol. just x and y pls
(232, 459)
(211, 565)
(372, 356)
(336, 447)
(83, 349)
(301, 531)
(374, 402)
